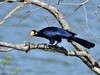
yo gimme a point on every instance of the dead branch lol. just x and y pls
(81, 53)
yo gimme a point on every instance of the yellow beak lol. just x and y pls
(32, 34)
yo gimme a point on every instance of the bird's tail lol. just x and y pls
(83, 42)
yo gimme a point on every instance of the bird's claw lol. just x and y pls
(54, 45)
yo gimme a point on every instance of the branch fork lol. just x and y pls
(80, 52)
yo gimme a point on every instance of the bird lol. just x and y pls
(53, 34)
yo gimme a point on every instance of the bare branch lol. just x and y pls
(81, 53)
(12, 12)
(75, 4)
(97, 13)
(6, 50)
(30, 46)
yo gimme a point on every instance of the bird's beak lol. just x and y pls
(32, 34)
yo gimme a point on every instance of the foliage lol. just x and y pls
(6, 62)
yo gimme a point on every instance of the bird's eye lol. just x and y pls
(35, 32)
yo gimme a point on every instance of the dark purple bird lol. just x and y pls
(57, 34)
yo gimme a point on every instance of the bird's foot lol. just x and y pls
(69, 40)
(54, 45)
(43, 44)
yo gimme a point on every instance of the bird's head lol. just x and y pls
(33, 33)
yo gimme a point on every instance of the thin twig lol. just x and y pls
(13, 11)
(87, 59)
(75, 4)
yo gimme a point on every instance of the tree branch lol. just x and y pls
(80, 53)
(27, 46)
(88, 59)
(13, 11)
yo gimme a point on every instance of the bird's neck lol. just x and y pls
(39, 34)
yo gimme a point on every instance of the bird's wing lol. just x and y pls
(71, 33)
(59, 32)
(65, 33)
(50, 33)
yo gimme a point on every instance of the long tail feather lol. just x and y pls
(83, 42)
